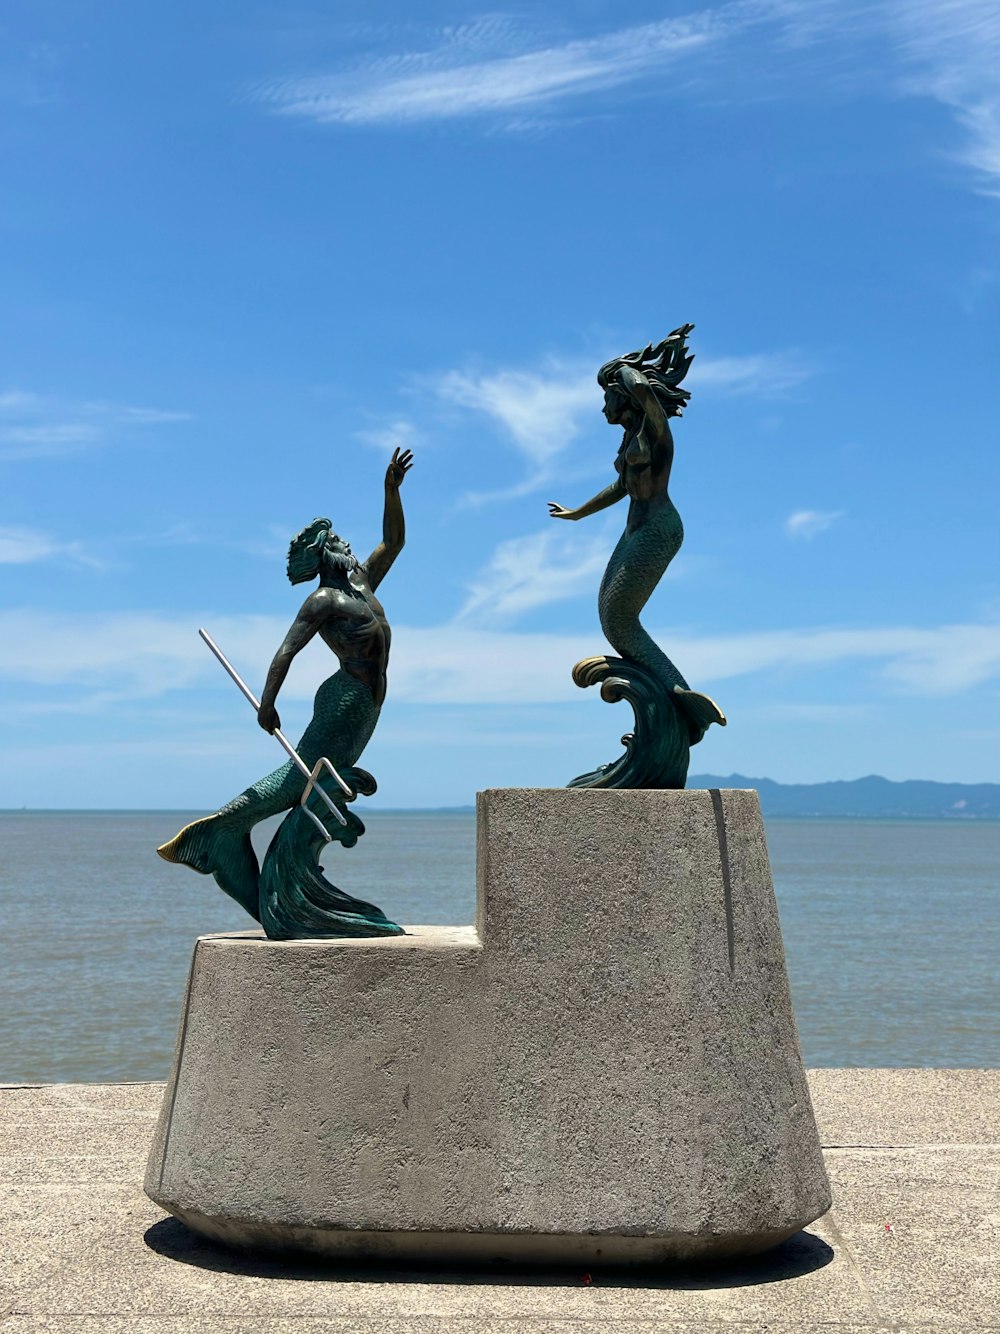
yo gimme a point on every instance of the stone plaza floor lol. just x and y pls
(912, 1242)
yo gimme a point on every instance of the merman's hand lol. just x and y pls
(399, 466)
(560, 511)
(267, 716)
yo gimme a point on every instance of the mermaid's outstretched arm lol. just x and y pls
(609, 496)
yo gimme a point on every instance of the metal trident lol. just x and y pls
(321, 765)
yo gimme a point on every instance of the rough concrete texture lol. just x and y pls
(605, 1070)
(85, 1252)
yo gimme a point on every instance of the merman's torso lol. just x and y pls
(355, 628)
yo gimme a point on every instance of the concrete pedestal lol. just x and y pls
(604, 1069)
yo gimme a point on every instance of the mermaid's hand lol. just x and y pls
(560, 511)
(267, 716)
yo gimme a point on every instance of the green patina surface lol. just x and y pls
(289, 894)
(642, 391)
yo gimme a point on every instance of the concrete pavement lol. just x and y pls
(912, 1242)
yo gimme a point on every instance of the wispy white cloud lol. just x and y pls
(542, 412)
(149, 655)
(462, 79)
(539, 411)
(37, 426)
(947, 50)
(499, 71)
(556, 564)
(760, 375)
(133, 654)
(113, 412)
(28, 546)
(475, 665)
(807, 523)
(952, 51)
(25, 545)
(534, 571)
(927, 662)
(398, 434)
(17, 400)
(46, 439)
(269, 543)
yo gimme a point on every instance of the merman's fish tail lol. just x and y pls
(344, 717)
(215, 847)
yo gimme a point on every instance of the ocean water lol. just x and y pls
(891, 933)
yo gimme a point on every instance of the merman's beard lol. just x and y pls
(341, 563)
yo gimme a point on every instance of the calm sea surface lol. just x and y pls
(891, 933)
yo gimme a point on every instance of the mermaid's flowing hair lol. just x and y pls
(306, 551)
(664, 366)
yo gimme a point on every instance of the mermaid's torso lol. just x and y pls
(644, 468)
(652, 537)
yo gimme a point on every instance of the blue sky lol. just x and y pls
(245, 249)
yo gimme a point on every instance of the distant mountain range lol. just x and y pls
(868, 798)
(871, 798)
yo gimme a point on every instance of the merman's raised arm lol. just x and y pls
(380, 561)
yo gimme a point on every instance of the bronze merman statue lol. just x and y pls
(641, 391)
(289, 895)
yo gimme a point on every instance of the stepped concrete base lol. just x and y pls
(605, 1069)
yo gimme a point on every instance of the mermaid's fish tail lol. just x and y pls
(699, 712)
(636, 566)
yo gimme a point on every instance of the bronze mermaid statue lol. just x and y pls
(288, 895)
(641, 393)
